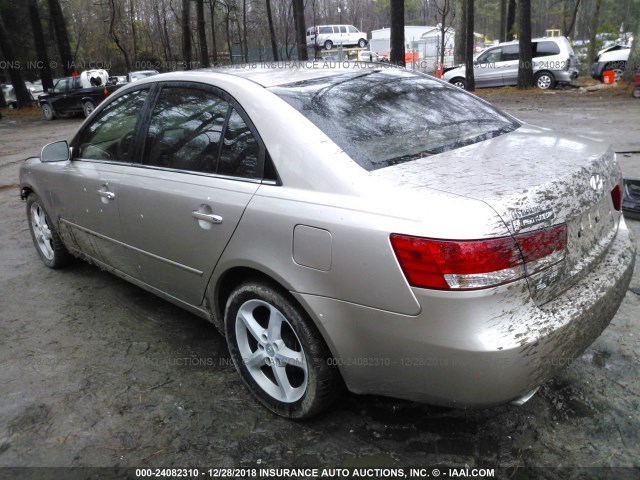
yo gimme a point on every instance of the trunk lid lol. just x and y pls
(533, 178)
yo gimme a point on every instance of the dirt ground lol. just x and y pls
(97, 372)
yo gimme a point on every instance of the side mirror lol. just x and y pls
(55, 152)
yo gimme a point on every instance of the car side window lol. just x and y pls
(240, 154)
(61, 86)
(343, 29)
(545, 49)
(353, 29)
(77, 83)
(510, 53)
(185, 130)
(110, 135)
(491, 56)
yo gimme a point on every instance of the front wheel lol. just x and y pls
(362, 43)
(328, 45)
(47, 111)
(636, 92)
(45, 237)
(459, 82)
(545, 81)
(87, 108)
(278, 352)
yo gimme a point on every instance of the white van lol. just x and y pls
(329, 36)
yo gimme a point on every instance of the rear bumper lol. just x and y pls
(473, 349)
(565, 76)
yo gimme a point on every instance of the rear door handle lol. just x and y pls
(207, 217)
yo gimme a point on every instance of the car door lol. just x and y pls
(509, 64)
(487, 68)
(201, 163)
(59, 96)
(88, 191)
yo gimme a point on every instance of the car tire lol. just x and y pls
(636, 92)
(618, 68)
(44, 234)
(328, 45)
(279, 352)
(362, 43)
(48, 111)
(545, 81)
(88, 107)
(459, 82)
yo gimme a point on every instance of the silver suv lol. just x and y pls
(553, 62)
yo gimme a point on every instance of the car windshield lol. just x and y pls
(390, 116)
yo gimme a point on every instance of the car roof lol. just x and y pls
(274, 74)
(539, 39)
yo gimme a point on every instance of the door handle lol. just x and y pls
(107, 194)
(207, 217)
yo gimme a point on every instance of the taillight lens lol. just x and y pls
(475, 264)
(616, 196)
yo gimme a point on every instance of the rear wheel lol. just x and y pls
(47, 111)
(362, 43)
(278, 352)
(328, 45)
(87, 108)
(545, 81)
(459, 82)
(45, 237)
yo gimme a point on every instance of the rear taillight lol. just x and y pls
(475, 264)
(616, 196)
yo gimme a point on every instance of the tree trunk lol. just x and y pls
(214, 46)
(568, 28)
(511, 20)
(22, 94)
(634, 56)
(593, 30)
(272, 32)
(245, 42)
(503, 21)
(41, 46)
(469, 42)
(186, 34)
(397, 32)
(227, 25)
(62, 36)
(460, 26)
(132, 19)
(115, 37)
(300, 28)
(525, 66)
(202, 35)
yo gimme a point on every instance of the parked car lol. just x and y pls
(76, 94)
(140, 74)
(553, 62)
(35, 89)
(9, 95)
(368, 56)
(328, 36)
(400, 236)
(613, 58)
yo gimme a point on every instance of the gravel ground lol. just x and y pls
(97, 372)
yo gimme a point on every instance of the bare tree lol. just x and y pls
(444, 9)
(22, 95)
(132, 19)
(300, 29)
(469, 42)
(525, 65)
(459, 48)
(202, 35)
(41, 46)
(186, 34)
(62, 37)
(214, 46)
(272, 32)
(511, 20)
(397, 32)
(114, 7)
(503, 21)
(593, 30)
(569, 21)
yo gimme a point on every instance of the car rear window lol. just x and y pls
(545, 49)
(390, 116)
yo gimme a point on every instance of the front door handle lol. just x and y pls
(107, 194)
(206, 217)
